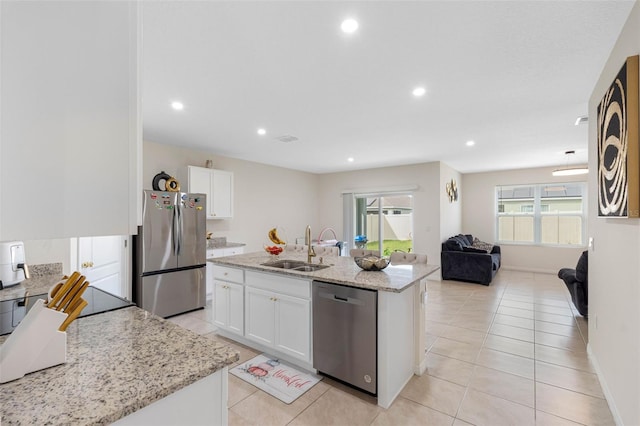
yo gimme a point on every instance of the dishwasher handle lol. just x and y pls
(332, 297)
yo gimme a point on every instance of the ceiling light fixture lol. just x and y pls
(419, 91)
(470, 143)
(262, 132)
(350, 159)
(570, 171)
(178, 106)
(349, 26)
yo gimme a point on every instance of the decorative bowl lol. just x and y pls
(372, 263)
(274, 249)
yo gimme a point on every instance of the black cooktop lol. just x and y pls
(99, 301)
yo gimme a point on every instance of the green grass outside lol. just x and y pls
(391, 245)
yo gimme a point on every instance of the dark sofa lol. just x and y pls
(464, 258)
(577, 282)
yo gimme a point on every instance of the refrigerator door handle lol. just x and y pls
(180, 230)
(175, 240)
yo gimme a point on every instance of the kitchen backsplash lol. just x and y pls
(45, 269)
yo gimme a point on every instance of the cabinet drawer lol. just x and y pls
(228, 274)
(234, 250)
(279, 283)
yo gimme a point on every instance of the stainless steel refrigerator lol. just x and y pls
(170, 253)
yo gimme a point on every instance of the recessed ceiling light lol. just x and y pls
(350, 159)
(262, 131)
(419, 91)
(349, 26)
(471, 143)
(178, 106)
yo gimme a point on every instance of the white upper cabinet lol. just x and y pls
(217, 185)
(70, 131)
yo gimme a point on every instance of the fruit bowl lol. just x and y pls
(274, 250)
(372, 263)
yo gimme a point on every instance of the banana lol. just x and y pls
(273, 236)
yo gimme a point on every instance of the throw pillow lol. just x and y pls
(481, 245)
(453, 245)
(462, 240)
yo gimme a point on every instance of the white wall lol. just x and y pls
(614, 267)
(264, 196)
(478, 218)
(426, 212)
(38, 252)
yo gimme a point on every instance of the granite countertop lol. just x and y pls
(343, 270)
(117, 363)
(37, 284)
(221, 243)
(225, 245)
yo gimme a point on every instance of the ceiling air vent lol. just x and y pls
(583, 119)
(286, 138)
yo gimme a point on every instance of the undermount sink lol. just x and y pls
(295, 265)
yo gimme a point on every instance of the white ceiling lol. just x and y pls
(511, 75)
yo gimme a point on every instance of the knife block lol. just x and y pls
(35, 344)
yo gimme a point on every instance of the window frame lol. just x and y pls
(538, 214)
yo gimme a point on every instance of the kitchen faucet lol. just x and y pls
(307, 241)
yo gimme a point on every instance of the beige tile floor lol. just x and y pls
(512, 353)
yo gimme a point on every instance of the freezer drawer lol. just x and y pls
(172, 293)
(345, 341)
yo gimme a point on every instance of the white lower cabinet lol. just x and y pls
(271, 310)
(217, 252)
(278, 313)
(279, 321)
(228, 306)
(228, 297)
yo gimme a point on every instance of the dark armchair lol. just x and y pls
(464, 258)
(577, 282)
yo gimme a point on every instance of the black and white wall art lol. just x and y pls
(618, 151)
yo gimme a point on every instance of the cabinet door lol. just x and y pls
(201, 181)
(236, 308)
(220, 304)
(70, 125)
(228, 306)
(209, 280)
(293, 326)
(222, 198)
(259, 315)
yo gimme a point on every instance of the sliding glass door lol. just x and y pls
(384, 223)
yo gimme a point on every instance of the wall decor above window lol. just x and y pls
(618, 150)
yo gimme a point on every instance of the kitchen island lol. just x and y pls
(246, 287)
(128, 366)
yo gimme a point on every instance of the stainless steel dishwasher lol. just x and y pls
(345, 338)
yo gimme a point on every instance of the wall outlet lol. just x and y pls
(591, 244)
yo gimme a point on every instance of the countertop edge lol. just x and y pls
(232, 261)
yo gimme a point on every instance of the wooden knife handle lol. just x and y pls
(75, 291)
(73, 315)
(64, 289)
(76, 294)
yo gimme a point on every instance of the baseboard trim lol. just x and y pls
(421, 367)
(523, 269)
(605, 388)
